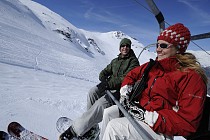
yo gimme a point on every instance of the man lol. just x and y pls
(111, 78)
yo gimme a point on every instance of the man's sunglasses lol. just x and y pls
(163, 45)
(125, 45)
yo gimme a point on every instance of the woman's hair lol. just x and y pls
(189, 61)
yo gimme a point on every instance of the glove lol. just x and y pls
(103, 86)
(126, 90)
(103, 78)
(124, 101)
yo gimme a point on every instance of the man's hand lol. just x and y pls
(103, 78)
(103, 86)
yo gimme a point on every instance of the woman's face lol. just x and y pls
(169, 51)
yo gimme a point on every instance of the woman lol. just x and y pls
(174, 97)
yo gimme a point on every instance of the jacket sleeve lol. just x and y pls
(185, 120)
(130, 79)
(106, 72)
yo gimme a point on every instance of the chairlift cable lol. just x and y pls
(143, 6)
(200, 47)
(155, 11)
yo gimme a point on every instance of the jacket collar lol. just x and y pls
(169, 64)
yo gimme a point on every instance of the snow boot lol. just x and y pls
(92, 133)
(68, 134)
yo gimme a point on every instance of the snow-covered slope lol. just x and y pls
(47, 65)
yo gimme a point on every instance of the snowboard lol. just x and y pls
(63, 123)
(5, 136)
(18, 131)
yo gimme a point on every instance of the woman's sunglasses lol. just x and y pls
(163, 45)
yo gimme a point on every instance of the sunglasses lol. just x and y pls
(125, 45)
(163, 45)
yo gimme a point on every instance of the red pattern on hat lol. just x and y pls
(176, 34)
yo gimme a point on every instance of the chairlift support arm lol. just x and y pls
(200, 36)
(144, 134)
(158, 15)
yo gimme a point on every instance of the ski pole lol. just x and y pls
(145, 135)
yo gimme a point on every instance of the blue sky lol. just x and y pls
(130, 17)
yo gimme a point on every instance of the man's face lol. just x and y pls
(124, 49)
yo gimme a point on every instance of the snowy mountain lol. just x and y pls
(47, 65)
